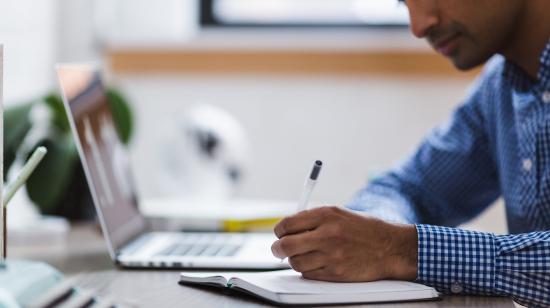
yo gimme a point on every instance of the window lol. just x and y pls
(277, 13)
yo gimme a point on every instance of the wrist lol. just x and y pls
(404, 254)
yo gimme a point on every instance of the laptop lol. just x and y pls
(130, 241)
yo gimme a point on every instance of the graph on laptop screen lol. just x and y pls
(103, 155)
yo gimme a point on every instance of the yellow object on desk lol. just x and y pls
(247, 225)
(234, 215)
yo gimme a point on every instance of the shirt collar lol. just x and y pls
(544, 71)
(520, 80)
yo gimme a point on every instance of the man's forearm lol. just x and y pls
(385, 203)
(459, 261)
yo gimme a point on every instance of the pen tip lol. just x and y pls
(318, 163)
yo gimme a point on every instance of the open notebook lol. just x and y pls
(289, 288)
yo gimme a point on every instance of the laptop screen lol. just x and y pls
(103, 156)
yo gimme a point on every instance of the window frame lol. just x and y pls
(207, 19)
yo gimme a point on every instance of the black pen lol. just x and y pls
(309, 185)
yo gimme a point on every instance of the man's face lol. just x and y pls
(468, 32)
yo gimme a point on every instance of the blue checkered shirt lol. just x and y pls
(497, 143)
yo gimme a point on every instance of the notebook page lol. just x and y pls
(291, 282)
(206, 277)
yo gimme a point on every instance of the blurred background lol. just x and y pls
(292, 81)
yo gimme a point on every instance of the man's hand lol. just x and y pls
(335, 244)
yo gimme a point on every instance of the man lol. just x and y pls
(496, 144)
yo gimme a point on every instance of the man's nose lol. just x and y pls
(423, 16)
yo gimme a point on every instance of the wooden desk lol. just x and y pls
(85, 257)
(159, 289)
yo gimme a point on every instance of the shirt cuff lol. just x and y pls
(456, 261)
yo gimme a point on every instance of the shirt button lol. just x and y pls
(456, 288)
(527, 164)
(546, 97)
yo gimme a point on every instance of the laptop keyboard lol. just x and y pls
(205, 245)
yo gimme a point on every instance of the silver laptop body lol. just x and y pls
(107, 168)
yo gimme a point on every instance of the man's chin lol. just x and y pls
(463, 67)
(463, 64)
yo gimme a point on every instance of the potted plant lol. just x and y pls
(58, 186)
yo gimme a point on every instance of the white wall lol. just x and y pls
(356, 125)
(28, 32)
(86, 27)
(77, 41)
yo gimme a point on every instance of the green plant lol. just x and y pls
(58, 185)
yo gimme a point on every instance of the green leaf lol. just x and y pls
(16, 127)
(122, 115)
(47, 185)
(59, 120)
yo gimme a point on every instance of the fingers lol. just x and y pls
(307, 262)
(300, 222)
(297, 244)
(317, 274)
(330, 273)
(304, 221)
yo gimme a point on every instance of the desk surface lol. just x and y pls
(85, 256)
